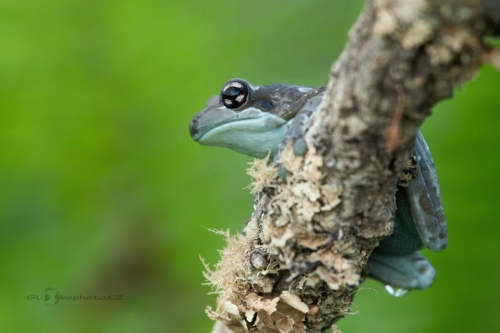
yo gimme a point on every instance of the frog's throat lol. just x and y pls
(254, 137)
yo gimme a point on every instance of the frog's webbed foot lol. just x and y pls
(411, 271)
(298, 126)
(296, 132)
(425, 200)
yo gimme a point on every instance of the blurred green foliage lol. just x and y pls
(103, 192)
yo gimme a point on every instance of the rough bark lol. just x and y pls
(301, 259)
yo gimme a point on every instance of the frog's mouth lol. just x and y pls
(251, 132)
(198, 132)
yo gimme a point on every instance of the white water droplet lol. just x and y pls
(396, 292)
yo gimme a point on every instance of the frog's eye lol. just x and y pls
(234, 94)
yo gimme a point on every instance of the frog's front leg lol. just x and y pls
(298, 126)
(296, 132)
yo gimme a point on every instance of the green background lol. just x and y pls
(103, 192)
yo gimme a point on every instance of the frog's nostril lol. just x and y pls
(193, 129)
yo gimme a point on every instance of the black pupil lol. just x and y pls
(234, 94)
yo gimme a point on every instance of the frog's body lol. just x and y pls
(256, 120)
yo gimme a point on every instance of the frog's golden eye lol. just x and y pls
(234, 94)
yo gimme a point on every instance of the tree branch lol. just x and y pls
(301, 259)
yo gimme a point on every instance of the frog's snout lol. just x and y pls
(193, 129)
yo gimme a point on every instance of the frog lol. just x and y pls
(259, 120)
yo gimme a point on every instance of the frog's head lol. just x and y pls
(251, 120)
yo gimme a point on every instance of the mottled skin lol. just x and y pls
(256, 120)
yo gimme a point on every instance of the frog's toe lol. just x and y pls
(411, 271)
(299, 146)
(296, 132)
(282, 172)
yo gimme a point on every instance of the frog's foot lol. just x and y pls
(296, 133)
(411, 271)
(298, 126)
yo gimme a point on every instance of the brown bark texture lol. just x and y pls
(301, 259)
